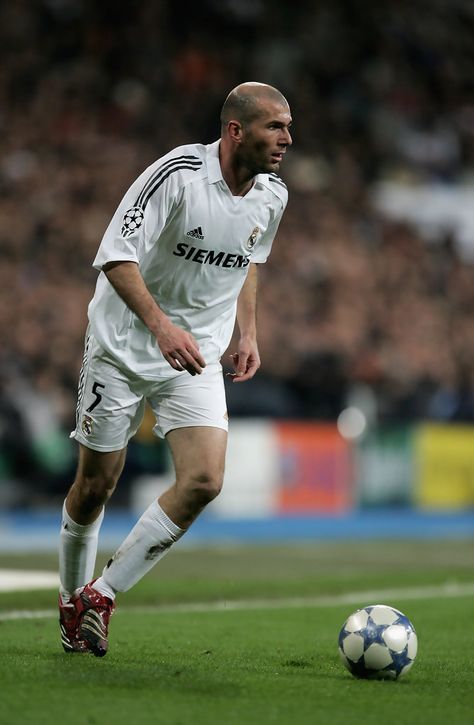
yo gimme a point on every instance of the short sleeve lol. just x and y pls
(139, 220)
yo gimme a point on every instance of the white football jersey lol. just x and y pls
(193, 241)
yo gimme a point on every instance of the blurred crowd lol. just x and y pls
(353, 304)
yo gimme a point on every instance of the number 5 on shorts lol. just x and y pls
(98, 397)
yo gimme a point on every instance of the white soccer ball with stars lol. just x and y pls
(378, 642)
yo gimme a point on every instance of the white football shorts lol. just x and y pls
(111, 401)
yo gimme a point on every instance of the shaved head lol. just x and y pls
(244, 103)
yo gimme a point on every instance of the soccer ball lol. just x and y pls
(378, 642)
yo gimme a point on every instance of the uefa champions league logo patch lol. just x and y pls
(132, 221)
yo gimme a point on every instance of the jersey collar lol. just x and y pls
(214, 171)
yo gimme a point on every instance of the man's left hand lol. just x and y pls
(246, 361)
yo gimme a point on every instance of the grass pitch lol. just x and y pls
(246, 636)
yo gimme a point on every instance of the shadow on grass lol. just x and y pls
(119, 672)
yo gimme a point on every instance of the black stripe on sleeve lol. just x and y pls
(166, 172)
(277, 180)
(156, 175)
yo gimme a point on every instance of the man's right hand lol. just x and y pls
(180, 349)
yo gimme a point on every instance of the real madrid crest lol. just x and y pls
(253, 238)
(86, 425)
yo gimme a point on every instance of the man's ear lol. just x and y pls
(235, 131)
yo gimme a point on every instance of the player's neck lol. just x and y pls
(238, 178)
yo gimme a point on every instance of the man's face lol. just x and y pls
(266, 138)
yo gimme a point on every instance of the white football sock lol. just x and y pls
(77, 553)
(147, 543)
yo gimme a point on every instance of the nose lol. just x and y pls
(286, 137)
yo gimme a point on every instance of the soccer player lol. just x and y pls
(178, 264)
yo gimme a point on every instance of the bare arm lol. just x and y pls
(179, 347)
(247, 359)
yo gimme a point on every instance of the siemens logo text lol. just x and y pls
(208, 256)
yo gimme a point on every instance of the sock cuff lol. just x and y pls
(174, 531)
(81, 529)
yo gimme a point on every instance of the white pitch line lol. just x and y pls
(363, 598)
(28, 614)
(17, 580)
(329, 600)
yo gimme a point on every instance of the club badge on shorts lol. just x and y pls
(86, 425)
(253, 238)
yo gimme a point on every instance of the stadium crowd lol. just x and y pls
(350, 299)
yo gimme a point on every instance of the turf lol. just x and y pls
(250, 666)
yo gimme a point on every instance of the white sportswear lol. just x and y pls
(193, 241)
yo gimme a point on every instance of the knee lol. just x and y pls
(205, 486)
(95, 489)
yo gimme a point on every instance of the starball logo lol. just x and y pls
(209, 256)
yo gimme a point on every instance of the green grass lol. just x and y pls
(251, 666)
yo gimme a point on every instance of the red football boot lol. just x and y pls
(69, 626)
(93, 611)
